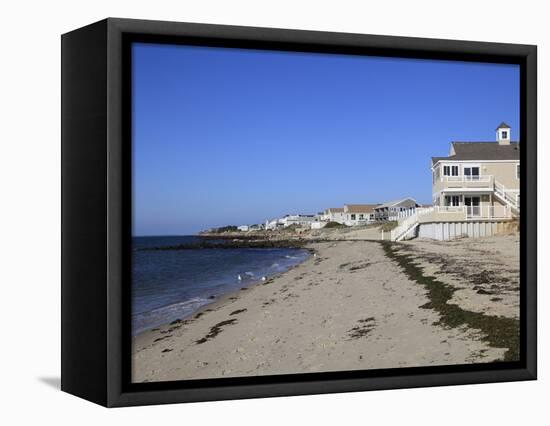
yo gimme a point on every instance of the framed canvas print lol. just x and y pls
(253, 212)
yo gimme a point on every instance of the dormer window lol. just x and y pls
(503, 134)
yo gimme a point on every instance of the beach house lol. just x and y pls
(273, 224)
(333, 214)
(358, 214)
(475, 192)
(478, 179)
(393, 210)
(304, 220)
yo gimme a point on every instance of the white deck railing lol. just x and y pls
(477, 212)
(490, 212)
(402, 214)
(467, 179)
(449, 209)
(406, 223)
(510, 197)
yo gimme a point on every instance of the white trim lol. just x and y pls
(473, 161)
(461, 190)
(480, 190)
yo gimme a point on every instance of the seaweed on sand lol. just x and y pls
(498, 332)
(215, 330)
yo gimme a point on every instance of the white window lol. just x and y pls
(471, 173)
(504, 134)
(450, 170)
(452, 200)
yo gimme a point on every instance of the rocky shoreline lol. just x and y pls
(233, 244)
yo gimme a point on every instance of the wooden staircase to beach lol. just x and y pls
(406, 227)
(503, 195)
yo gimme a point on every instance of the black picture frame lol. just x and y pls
(96, 200)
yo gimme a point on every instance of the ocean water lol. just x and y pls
(172, 284)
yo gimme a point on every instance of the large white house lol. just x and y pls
(478, 179)
(475, 191)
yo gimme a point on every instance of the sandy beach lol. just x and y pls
(350, 306)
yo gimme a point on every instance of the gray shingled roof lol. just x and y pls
(394, 202)
(482, 151)
(503, 125)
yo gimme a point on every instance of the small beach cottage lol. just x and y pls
(393, 210)
(358, 214)
(478, 179)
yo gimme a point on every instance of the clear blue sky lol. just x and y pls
(234, 136)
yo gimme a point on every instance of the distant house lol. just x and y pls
(334, 214)
(298, 219)
(393, 210)
(302, 220)
(243, 228)
(359, 214)
(273, 224)
(478, 179)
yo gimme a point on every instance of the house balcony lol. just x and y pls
(466, 213)
(471, 181)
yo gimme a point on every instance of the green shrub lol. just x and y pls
(230, 228)
(335, 225)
